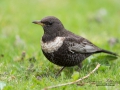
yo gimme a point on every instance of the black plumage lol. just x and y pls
(63, 47)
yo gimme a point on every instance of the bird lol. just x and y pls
(64, 48)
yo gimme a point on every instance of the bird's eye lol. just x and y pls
(49, 23)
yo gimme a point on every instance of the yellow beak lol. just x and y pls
(38, 22)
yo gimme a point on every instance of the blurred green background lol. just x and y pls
(22, 64)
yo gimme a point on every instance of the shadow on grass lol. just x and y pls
(105, 61)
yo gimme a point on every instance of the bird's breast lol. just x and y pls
(51, 46)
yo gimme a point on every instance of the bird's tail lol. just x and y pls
(109, 52)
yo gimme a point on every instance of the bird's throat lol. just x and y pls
(48, 38)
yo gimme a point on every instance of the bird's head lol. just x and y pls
(50, 24)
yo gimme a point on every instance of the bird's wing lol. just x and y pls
(81, 45)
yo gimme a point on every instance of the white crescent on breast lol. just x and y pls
(52, 46)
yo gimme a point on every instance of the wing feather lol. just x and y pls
(81, 45)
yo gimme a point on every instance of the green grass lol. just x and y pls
(18, 35)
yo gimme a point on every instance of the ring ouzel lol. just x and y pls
(63, 47)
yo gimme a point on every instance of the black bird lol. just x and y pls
(63, 47)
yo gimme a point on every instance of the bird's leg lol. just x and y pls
(60, 71)
(79, 66)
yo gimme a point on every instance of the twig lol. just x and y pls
(69, 83)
